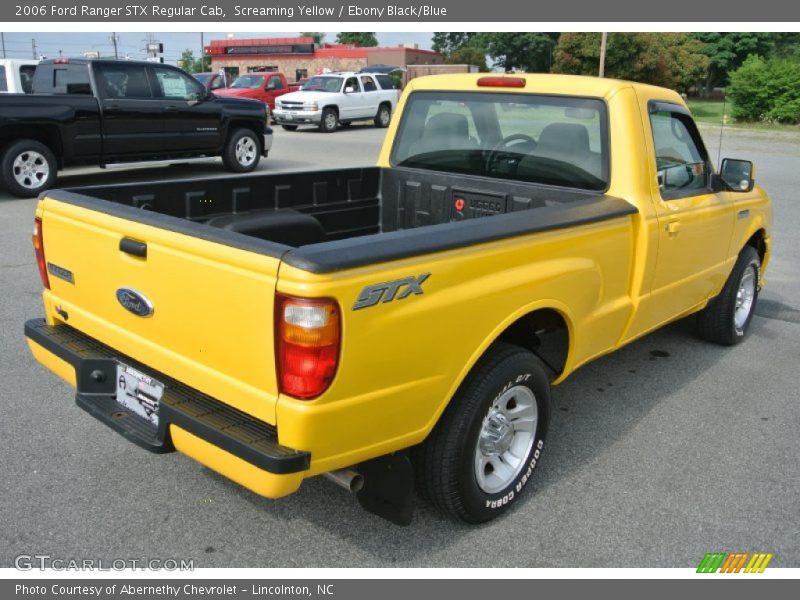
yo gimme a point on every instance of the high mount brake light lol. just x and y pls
(510, 82)
(38, 248)
(307, 340)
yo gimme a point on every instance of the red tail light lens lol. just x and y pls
(308, 335)
(511, 82)
(38, 248)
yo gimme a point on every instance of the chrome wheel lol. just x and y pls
(31, 169)
(330, 121)
(744, 297)
(505, 439)
(246, 151)
(384, 117)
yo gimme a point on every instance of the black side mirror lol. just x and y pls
(738, 175)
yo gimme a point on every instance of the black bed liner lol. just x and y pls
(414, 212)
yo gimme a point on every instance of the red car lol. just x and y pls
(258, 86)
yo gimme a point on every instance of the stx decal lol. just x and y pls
(391, 290)
(734, 562)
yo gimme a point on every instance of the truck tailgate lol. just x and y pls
(211, 325)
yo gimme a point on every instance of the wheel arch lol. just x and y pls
(49, 135)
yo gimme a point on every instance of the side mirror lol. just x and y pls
(349, 89)
(738, 175)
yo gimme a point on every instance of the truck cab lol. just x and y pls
(266, 87)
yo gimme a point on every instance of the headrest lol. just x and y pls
(564, 139)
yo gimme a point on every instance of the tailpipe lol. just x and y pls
(351, 480)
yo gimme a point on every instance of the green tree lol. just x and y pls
(447, 42)
(673, 60)
(190, 64)
(766, 90)
(528, 51)
(727, 52)
(468, 55)
(364, 39)
(318, 36)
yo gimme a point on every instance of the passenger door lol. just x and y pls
(351, 101)
(132, 123)
(274, 88)
(192, 118)
(695, 222)
(371, 96)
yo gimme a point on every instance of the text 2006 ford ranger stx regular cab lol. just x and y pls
(400, 325)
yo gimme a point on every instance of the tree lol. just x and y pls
(447, 42)
(468, 55)
(190, 64)
(364, 39)
(528, 51)
(766, 90)
(727, 52)
(673, 60)
(318, 36)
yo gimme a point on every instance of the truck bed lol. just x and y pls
(326, 221)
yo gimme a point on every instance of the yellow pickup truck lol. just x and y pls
(399, 327)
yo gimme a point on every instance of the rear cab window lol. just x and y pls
(550, 140)
(61, 79)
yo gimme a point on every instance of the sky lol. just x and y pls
(18, 45)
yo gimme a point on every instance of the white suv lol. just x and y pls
(338, 98)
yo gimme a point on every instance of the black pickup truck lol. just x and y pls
(103, 112)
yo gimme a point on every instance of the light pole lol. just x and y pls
(603, 42)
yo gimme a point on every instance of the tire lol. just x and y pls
(329, 122)
(455, 466)
(726, 319)
(28, 168)
(384, 116)
(289, 127)
(242, 151)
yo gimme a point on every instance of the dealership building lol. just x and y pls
(298, 57)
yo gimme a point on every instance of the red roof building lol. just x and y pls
(299, 57)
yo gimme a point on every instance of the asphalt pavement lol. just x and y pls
(657, 454)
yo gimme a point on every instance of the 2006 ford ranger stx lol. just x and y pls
(400, 326)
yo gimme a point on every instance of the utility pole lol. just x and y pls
(3, 39)
(114, 40)
(603, 42)
(202, 53)
(33, 48)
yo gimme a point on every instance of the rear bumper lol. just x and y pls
(266, 144)
(213, 433)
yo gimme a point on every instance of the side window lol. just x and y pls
(386, 82)
(3, 80)
(352, 82)
(681, 160)
(174, 85)
(124, 81)
(26, 77)
(368, 83)
(275, 83)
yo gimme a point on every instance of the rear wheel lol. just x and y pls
(482, 453)
(329, 122)
(727, 317)
(28, 168)
(242, 151)
(289, 127)
(384, 116)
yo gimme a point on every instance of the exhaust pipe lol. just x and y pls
(349, 479)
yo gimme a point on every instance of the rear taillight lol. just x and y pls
(308, 335)
(38, 248)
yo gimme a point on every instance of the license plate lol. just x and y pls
(288, 117)
(138, 392)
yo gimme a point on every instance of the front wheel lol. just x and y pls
(726, 319)
(384, 116)
(242, 151)
(482, 453)
(329, 122)
(28, 168)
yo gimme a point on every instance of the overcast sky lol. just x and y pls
(18, 45)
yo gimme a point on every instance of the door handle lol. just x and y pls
(171, 108)
(112, 107)
(673, 227)
(133, 247)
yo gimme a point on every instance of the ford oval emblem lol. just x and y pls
(135, 302)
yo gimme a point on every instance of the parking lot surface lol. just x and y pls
(657, 454)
